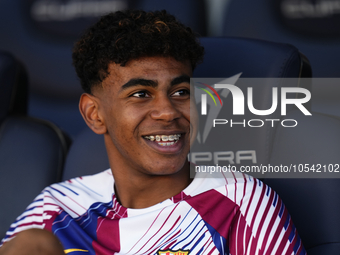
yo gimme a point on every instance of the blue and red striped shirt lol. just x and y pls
(235, 215)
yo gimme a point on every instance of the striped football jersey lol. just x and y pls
(234, 215)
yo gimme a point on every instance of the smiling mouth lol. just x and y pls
(164, 140)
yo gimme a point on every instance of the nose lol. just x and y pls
(164, 109)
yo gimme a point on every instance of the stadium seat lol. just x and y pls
(314, 203)
(190, 12)
(32, 151)
(317, 37)
(311, 26)
(13, 88)
(41, 34)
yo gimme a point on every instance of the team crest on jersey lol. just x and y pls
(170, 252)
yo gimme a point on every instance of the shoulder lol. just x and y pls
(242, 192)
(235, 186)
(76, 195)
(97, 185)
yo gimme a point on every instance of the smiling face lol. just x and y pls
(143, 109)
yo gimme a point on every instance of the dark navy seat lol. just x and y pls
(312, 26)
(32, 151)
(41, 34)
(13, 86)
(192, 13)
(314, 203)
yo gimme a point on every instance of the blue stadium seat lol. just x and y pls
(41, 34)
(317, 37)
(13, 86)
(192, 13)
(314, 203)
(32, 151)
(311, 26)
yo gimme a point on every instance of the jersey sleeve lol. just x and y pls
(73, 197)
(39, 214)
(263, 224)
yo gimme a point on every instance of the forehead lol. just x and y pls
(152, 68)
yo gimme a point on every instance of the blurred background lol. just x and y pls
(41, 33)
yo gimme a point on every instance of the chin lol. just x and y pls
(168, 168)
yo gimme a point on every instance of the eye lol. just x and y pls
(140, 94)
(181, 92)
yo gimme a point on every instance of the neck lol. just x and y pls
(141, 184)
(141, 191)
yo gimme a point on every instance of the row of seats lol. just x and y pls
(32, 151)
(41, 33)
(35, 153)
(311, 26)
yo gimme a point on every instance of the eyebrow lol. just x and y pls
(154, 84)
(180, 79)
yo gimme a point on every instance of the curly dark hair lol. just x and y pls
(122, 36)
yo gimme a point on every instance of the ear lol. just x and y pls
(89, 109)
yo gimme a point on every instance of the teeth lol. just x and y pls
(164, 138)
(167, 144)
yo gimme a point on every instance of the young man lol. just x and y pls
(135, 69)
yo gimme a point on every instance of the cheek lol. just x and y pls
(193, 112)
(193, 122)
(126, 120)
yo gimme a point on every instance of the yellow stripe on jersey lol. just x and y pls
(72, 250)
